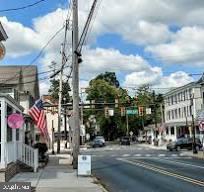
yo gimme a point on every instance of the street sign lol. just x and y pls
(148, 111)
(111, 112)
(132, 111)
(131, 133)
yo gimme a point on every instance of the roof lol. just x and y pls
(8, 97)
(21, 77)
(3, 35)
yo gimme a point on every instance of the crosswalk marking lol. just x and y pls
(161, 155)
(126, 155)
(137, 155)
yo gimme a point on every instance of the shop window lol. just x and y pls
(172, 130)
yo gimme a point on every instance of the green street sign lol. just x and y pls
(132, 111)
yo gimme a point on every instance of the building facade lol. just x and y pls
(181, 107)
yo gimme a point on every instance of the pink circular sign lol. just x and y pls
(15, 121)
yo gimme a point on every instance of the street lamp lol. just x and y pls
(193, 125)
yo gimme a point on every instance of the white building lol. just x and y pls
(180, 104)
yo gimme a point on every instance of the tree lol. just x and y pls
(54, 90)
(105, 88)
(110, 78)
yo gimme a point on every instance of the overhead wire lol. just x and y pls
(21, 8)
(38, 55)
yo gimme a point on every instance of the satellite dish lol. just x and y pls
(2, 50)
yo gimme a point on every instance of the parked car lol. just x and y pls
(125, 140)
(184, 143)
(142, 139)
(99, 141)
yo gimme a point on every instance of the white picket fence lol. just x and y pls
(23, 153)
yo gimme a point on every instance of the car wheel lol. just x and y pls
(197, 148)
(178, 148)
(170, 149)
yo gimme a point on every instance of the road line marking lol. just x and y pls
(162, 171)
(174, 155)
(126, 155)
(188, 164)
(137, 155)
(161, 155)
(147, 155)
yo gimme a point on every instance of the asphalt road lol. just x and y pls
(138, 168)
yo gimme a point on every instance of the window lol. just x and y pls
(167, 130)
(17, 134)
(169, 115)
(176, 114)
(187, 112)
(9, 130)
(172, 130)
(179, 115)
(172, 114)
(184, 111)
(172, 100)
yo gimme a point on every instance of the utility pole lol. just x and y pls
(75, 85)
(59, 105)
(64, 60)
(127, 124)
(53, 137)
(65, 123)
(193, 125)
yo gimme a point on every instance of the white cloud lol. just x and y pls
(100, 60)
(21, 40)
(44, 87)
(150, 76)
(176, 79)
(186, 47)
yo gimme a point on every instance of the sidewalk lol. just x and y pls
(162, 147)
(58, 176)
(199, 155)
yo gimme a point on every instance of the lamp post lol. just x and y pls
(193, 125)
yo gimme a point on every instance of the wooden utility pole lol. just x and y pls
(75, 85)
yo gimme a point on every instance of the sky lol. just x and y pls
(158, 42)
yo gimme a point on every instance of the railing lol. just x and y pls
(27, 155)
(10, 152)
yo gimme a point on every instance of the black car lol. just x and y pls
(184, 143)
(125, 141)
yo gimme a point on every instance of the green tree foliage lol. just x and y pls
(109, 77)
(105, 89)
(54, 90)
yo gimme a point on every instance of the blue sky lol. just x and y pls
(145, 48)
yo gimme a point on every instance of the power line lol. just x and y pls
(39, 54)
(23, 7)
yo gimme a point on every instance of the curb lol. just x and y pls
(97, 182)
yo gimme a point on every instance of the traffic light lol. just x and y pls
(106, 111)
(141, 111)
(122, 111)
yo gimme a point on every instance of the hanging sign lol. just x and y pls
(15, 121)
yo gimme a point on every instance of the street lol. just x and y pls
(139, 168)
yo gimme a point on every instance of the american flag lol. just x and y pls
(38, 115)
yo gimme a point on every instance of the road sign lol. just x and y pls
(148, 111)
(131, 133)
(132, 111)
